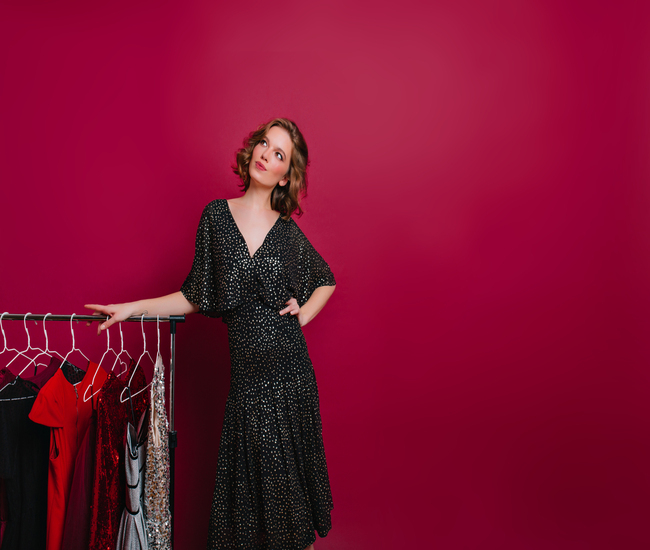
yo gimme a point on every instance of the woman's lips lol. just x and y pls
(260, 166)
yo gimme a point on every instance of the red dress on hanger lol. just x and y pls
(61, 406)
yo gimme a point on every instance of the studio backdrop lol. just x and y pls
(479, 185)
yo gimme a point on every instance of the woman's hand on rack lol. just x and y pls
(171, 304)
(117, 313)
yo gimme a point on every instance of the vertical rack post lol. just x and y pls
(173, 441)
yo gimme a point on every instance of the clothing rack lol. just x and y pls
(172, 320)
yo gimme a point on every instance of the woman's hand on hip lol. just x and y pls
(292, 308)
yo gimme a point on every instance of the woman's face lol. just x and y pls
(271, 158)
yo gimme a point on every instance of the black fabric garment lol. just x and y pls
(272, 488)
(224, 275)
(72, 373)
(24, 450)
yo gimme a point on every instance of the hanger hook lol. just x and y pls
(29, 340)
(47, 341)
(4, 336)
(121, 339)
(72, 330)
(158, 329)
(144, 336)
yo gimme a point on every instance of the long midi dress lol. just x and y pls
(272, 487)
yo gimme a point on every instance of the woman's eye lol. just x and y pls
(263, 142)
(279, 155)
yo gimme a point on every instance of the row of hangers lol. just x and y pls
(33, 361)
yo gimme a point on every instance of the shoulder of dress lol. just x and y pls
(292, 227)
(213, 207)
(292, 223)
(214, 203)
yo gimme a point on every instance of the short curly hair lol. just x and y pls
(284, 199)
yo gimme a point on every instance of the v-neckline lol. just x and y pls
(248, 250)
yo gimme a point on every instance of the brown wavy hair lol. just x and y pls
(284, 199)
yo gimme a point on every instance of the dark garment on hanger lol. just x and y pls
(6, 376)
(109, 477)
(72, 373)
(24, 449)
(44, 374)
(4, 509)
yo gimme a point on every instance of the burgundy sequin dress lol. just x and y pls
(109, 478)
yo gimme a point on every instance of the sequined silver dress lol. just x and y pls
(272, 488)
(156, 484)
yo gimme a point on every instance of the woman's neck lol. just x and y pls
(256, 199)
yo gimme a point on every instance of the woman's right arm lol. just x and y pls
(172, 304)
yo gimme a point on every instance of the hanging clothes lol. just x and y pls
(157, 476)
(132, 534)
(4, 509)
(43, 375)
(23, 466)
(60, 405)
(76, 531)
(109, 477)
(6, 376)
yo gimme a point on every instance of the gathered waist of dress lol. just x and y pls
(257, 312)
(258, 326)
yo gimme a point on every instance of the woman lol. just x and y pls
(254, 268)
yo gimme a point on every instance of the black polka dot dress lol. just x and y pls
(272, 488)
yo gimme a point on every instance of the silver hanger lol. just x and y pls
(144, 352)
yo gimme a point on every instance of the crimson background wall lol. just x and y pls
(479, 186)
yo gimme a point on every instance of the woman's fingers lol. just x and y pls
(109, 310)
(106, 324)
(97, 310)
(292, 308)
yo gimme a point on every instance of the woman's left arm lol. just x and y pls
(311, 307)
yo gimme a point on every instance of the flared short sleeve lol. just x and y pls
(200, 286)
(310, 271)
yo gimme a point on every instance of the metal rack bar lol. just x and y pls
(38, 317)
(172, 320)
